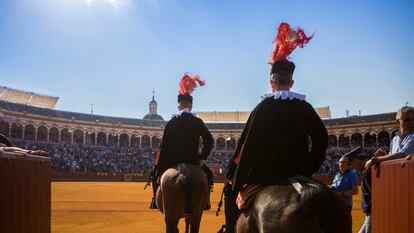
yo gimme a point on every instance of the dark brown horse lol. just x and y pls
(309, 207)
(171, 198)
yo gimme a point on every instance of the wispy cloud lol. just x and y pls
(112, 3)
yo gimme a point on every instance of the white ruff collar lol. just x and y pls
(185, 110)
(285, 95)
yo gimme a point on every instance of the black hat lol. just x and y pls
(186, 97)
(283, 65)
(356, 153)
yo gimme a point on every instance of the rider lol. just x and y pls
(283, 136)
(181, 139)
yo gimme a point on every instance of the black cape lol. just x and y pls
(281, 138)
(181, 142)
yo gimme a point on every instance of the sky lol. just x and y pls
(113, 53)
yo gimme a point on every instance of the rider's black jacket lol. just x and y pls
(181, 142)
(282, 138)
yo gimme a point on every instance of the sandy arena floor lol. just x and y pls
(122, 207)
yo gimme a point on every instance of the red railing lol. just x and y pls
(25, 198)
(393, 197)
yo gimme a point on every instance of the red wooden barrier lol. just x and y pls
(393, 197)
(25, 203)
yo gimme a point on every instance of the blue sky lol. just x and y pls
(112, 53)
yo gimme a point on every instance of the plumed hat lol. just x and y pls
(187, 85)
(286, 41)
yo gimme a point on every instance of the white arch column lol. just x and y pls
(47, 135)
(363, 140)
(129, 140)
(60, 135)
(96, 138)
(23, 131)
(36, 134)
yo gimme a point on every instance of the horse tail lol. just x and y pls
(327, 209)
(184, 179)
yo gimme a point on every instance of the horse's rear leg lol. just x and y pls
(187, 224)
(195, 227)
(245, 224)
(171, 224)
(195, 223)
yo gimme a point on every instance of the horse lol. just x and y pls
(299, 206)
(171, 196)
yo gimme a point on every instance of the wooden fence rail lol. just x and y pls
(393, 197)
(25, 195)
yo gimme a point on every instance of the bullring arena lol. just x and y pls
(100, 163)
(123, 207)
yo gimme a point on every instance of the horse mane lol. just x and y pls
(297, 204)
(313, 189)
(325, 206)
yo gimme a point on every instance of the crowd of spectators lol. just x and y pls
(80, 158)
(330, 165)
(220, 157)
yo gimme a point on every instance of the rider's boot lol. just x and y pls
(154, 191)
(208, 204)
(210, 182)
(230, 209)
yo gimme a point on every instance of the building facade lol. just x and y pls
(23, 122)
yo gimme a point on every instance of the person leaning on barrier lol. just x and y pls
(4, 141)
(402, 145)
(6, 146)
(357, 159)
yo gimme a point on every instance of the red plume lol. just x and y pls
(286, 41)
(188, 83)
